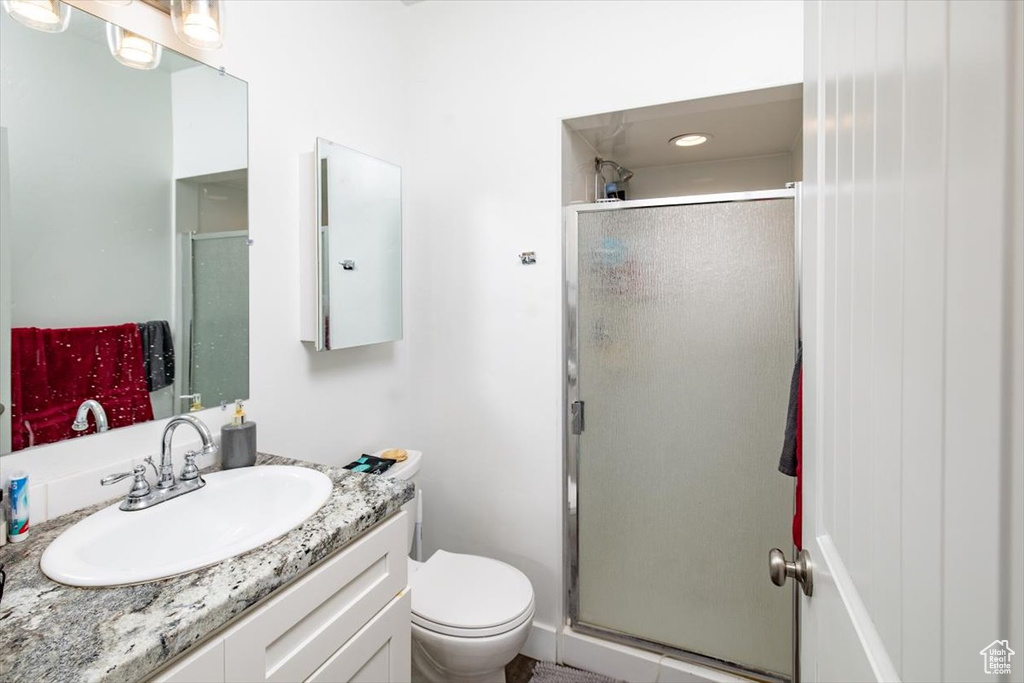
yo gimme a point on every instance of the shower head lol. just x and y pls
(623, 172)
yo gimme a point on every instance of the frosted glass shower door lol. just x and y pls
(219, 367)
(685, 344)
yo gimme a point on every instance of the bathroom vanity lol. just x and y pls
(328, 601)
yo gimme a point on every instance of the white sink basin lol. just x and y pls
(236, 511)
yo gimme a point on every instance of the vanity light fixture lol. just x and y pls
(200, 23)
(690, 139)
(133, 50)
(51, 16)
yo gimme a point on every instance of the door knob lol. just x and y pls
(780, 570)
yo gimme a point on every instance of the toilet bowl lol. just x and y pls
(470, 615)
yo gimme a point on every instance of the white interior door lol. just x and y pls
(912, 245)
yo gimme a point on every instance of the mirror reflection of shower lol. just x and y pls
(606, 189)
(212, 224)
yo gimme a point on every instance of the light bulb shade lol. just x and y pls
(200, 23)
(51, 16)
(133, 50)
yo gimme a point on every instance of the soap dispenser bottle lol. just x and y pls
(238, 440)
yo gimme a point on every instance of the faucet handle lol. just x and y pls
(140, 487)
(190, 470)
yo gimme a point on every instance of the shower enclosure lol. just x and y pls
(215, 310)
(680, 337)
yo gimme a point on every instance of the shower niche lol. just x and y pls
(739, 142)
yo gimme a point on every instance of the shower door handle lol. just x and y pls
(576, 420)
(801, 570)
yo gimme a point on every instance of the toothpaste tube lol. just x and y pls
(17, 523)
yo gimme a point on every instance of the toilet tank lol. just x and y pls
(408, 470)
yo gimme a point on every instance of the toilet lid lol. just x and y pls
(469, 595)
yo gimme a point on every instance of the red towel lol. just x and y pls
(30, 388)
(54, 370)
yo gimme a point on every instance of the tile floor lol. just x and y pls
(520, 669)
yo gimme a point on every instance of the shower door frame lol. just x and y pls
(571, 442)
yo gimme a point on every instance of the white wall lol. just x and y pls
(119, 251)
(207, 110)
(771, 171)
(578, 172)
(490, 83)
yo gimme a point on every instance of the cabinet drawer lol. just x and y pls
(381, 652)
(294, 633)
(206, 665)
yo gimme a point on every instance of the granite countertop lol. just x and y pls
(53, 632)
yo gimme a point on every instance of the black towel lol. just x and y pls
(788, 459)
(370, 464)
(157, 353)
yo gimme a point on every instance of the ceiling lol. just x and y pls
(744, 124)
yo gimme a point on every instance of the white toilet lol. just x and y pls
(470, 615)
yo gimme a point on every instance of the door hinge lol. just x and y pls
(577, 417)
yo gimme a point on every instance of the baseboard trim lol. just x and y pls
(542, 643)
(632, 664)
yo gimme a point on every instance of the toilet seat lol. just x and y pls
(468, 596)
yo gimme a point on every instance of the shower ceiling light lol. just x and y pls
(133, 50)
(200, 23)
(50, 16)
(690, 139)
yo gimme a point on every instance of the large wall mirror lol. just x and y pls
(124, 267)
(359, 248)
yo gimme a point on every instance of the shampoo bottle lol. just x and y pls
(17, 520)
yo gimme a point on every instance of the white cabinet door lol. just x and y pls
(906, 406)
(293, 634)
(380, 653)
(205, 666)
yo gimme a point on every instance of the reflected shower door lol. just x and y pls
(685, 328)
(219, 359)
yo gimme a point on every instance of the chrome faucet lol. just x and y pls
(165, 475)
(81, 422)
(142, 495)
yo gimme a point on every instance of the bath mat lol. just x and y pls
(547, 672)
